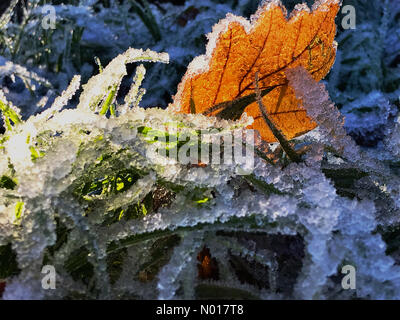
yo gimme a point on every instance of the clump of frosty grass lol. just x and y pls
(84, 190)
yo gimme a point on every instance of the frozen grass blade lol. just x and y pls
(10, 114)
(133, 96)
(145, 14)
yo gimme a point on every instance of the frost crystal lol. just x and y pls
(99, 198)
(319, 107)
(111, 77)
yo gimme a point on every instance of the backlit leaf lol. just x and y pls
(270, 44)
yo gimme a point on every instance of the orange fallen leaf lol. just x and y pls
(269, 45)
(208, 266)
(198, 165)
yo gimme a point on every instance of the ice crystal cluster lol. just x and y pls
(364, 82)
(83, 190)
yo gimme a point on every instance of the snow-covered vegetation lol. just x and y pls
(82, 188)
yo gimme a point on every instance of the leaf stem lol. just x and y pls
(292, 154)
